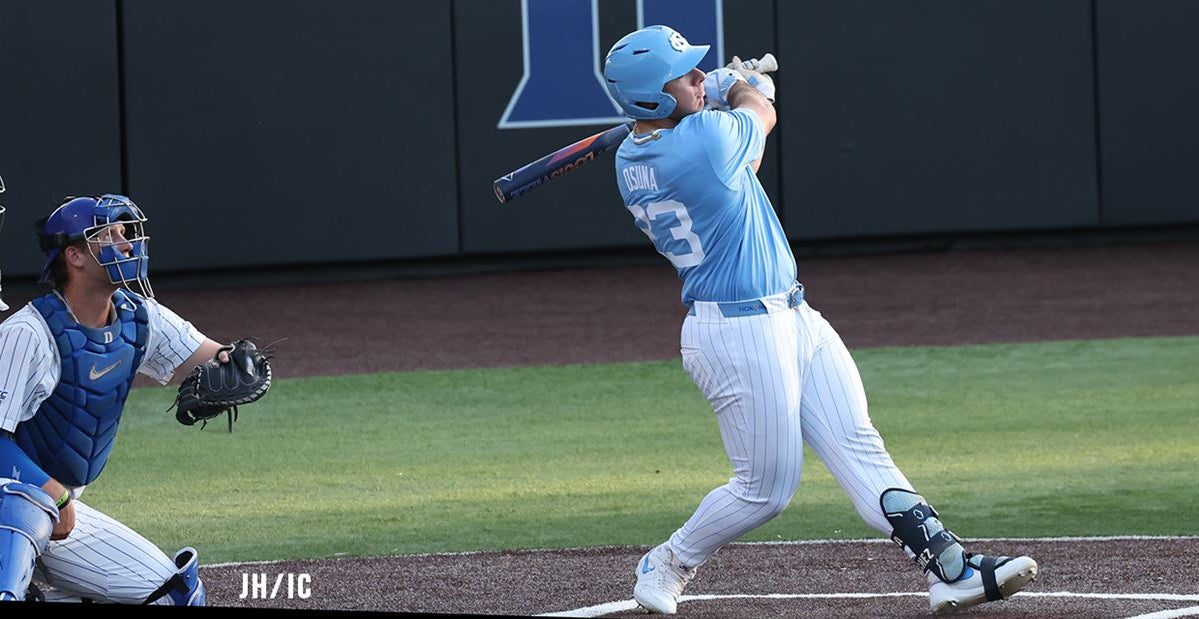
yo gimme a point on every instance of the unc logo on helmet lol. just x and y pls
(678, 42)
(639, 65)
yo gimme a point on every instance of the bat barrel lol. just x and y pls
(564, 160)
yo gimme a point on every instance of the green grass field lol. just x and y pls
(1063, 438)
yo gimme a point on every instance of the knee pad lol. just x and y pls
(917, 527)
(27, 517)
(184, 586)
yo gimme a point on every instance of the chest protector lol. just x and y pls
(72, 432)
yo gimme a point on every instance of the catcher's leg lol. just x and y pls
(105, 561)
(27, 516)
(185, 587)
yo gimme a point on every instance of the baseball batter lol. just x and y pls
(67, 360)
(773, 369)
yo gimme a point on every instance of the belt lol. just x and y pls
(753, 307)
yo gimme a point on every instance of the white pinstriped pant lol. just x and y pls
(777, 380)
(103, 560)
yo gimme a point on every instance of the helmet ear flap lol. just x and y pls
(663, 107)
(659, 107)
(49, 241)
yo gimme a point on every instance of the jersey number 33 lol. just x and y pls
(668, 226)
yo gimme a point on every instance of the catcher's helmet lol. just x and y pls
(640, 64)
(89, 218)
(3, 305)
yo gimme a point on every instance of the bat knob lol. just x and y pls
(767, 63)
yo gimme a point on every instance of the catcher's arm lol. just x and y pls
(235, 374)
(207, 350)
(66, 509)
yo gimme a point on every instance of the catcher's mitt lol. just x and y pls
(212, 388)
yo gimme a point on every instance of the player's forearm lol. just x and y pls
(55, 489)
(743, 95)
(207, 350)
(15, 463)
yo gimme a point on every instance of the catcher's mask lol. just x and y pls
(3, 305)
(92, 218)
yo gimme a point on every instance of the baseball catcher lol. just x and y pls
(71, 357)
(240, 373)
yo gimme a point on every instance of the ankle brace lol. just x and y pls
(918, 528)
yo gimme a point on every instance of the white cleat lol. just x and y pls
(1010, 575)
(660, 581)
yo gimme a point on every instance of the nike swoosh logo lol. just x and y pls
(645, 568)
(95, 374)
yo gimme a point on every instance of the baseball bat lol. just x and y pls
(570, 158)
(566, 159)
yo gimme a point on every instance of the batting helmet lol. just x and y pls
(640, 64)
(90, 218)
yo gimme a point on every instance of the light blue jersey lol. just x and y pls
(693, 192)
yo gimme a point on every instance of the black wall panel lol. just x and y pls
(59, 121)
(1148, 55)
(291, 130)
(580, 210)
(936, 116)
(311, 131)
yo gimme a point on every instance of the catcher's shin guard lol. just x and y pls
(27, 517)
(184, 586)
(918, 528)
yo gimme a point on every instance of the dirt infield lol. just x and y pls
(841, 579)
(633, 313)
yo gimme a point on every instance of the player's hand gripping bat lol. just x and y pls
(570, 158)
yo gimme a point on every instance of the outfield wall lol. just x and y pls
(313, 131)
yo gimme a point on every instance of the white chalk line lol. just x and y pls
(1170, 614)
(805, 542)
(630, 605)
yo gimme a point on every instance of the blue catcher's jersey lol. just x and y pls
(73, 431)
(694, 193)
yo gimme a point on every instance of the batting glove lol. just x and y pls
(717, 85)
(762, 82)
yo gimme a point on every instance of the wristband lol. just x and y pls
(64, 499)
